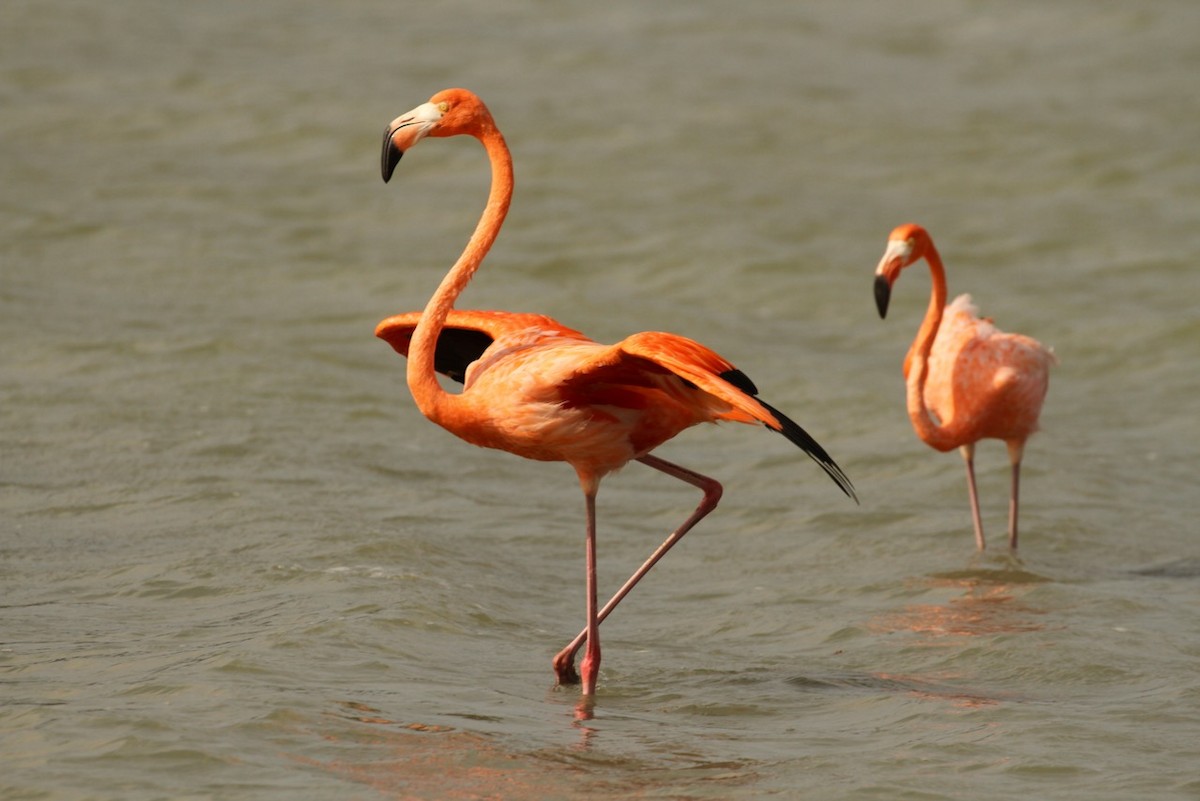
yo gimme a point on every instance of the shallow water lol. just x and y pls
(237, 563)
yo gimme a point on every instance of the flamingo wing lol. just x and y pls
(623, 375)
(731, 393)
(466, 336)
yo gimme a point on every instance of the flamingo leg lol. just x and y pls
(590, 666)
(1015, 451)
(1012, 506)
(968, 455)
(564, 661)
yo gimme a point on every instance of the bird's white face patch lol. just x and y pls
(898, 252)
(411, 127)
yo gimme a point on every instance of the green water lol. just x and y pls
(237, 563)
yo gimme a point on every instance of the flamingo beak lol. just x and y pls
(883, 293)
(896, 257)
(404, 132)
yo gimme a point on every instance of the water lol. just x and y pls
(238, 564)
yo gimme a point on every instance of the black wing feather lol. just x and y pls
(792, 430)
(456, 349)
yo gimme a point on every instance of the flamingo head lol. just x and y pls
(448, 113)
(907, 244)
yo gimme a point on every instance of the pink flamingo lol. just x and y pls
(979, 382)
(538, 389)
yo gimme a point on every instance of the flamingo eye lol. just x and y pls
(443, 106)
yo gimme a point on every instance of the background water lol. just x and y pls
(237, 563)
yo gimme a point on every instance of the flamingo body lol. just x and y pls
(544, 391)
(965, 379)
(983, 383)
(541, 390)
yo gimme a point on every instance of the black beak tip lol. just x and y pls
(883, 292)
(390, 158)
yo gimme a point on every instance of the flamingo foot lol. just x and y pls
(564, 667)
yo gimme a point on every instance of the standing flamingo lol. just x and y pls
(536, 388)
(979, 382)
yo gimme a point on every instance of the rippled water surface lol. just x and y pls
(237, 563)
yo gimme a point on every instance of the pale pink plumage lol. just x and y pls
(965, 379)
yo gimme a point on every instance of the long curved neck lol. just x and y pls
(916, 363)
(432, 400)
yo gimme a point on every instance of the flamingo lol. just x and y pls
(541, 390)
(978, 381)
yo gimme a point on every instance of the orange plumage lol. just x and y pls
(541, 390)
